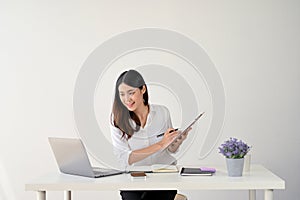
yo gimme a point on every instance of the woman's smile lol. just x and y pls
(130, 105)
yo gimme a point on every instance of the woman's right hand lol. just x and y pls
(168, 138)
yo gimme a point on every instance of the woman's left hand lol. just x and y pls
(177, 142)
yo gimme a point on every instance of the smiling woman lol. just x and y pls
(134, 125)
(130, 93)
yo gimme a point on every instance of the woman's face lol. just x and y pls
(131, 97)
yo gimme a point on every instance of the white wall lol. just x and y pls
(255, 46)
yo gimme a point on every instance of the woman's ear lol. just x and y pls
(144, 89)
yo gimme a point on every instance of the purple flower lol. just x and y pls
(234, 148)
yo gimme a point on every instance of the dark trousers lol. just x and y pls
(149, 194)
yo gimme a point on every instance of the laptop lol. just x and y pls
(72, 158)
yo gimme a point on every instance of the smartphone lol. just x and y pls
(138, 175)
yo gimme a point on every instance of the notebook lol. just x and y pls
(197, 171)
(72, 158)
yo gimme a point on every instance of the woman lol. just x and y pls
(135, 128)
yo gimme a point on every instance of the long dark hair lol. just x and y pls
(120, 114)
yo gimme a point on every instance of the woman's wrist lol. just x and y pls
(161, 145)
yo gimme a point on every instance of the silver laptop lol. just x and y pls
(72, 158)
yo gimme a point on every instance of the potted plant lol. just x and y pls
(234, 150)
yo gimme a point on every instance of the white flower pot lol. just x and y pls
(235, 166)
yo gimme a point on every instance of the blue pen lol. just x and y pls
(176, 129)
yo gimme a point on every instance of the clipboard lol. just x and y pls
(186, 129)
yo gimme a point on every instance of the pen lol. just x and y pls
(176, 129)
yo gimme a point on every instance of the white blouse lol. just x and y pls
(158, 121)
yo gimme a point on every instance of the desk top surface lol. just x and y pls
(258, 178)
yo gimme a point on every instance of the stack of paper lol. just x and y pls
(164, 168)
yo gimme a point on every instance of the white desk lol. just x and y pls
(259, 178)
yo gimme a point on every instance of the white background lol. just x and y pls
(255, 46)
